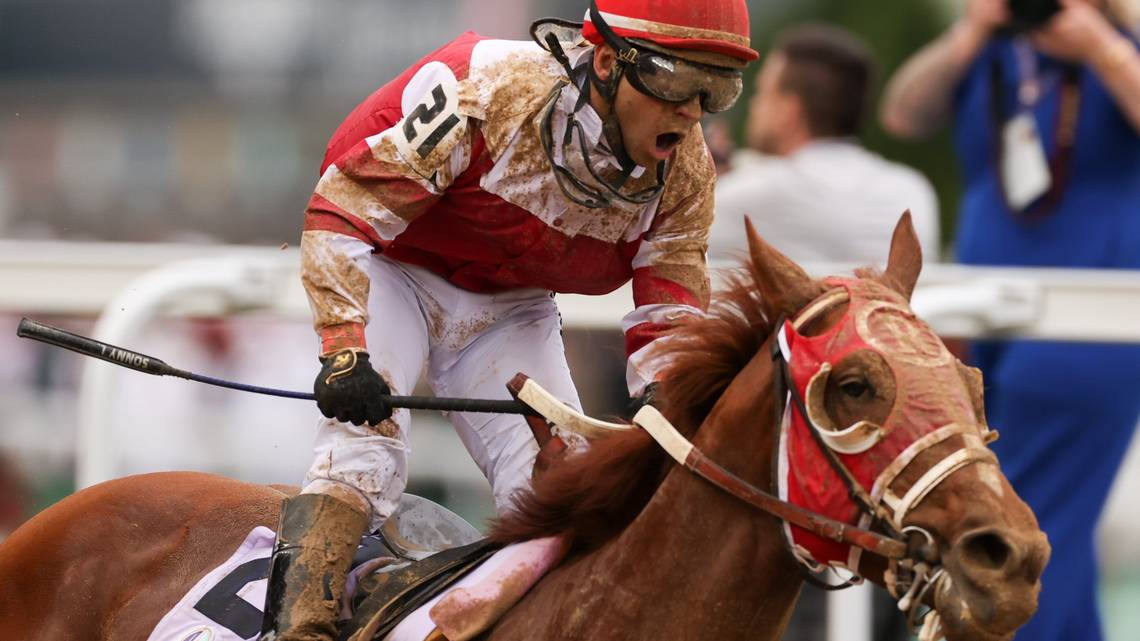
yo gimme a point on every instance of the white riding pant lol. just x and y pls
(472, 344)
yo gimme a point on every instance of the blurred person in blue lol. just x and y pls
(1045, 101)
(809, 185)
(454, 202)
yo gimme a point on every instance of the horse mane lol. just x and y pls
(593, 495)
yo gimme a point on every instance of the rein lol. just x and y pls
(677, 446)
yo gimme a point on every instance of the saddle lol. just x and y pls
(420, 551)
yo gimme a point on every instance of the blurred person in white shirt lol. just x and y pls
(808, 184)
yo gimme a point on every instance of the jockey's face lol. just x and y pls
(651, 128)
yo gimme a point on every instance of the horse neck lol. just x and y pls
(704, 563)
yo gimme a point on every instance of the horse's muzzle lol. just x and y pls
(996, 576)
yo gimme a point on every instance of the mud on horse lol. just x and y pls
(882, 430)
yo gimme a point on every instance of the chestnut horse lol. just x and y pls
(658, 552)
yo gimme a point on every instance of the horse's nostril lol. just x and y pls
(986, 549)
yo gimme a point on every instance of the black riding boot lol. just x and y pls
(315, 542)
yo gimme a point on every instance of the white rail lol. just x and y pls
(1049, 304)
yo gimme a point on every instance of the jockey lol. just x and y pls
(454, 202)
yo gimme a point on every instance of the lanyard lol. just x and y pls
(1029, 92)
(1028, 80)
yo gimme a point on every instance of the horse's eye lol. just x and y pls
(854, 388)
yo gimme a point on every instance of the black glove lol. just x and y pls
(349, 390)
(648, 396)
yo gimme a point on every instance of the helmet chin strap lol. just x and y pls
(611, 126)
(585, 79)
(607, 90)
(623, 51)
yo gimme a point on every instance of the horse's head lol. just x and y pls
(884, 428)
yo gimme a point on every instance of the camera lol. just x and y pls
(1030, 14)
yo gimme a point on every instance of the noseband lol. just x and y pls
(872, 520)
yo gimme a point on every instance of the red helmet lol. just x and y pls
(715, 26)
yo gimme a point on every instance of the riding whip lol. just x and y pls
(150, 365)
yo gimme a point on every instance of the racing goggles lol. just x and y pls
(674, 79)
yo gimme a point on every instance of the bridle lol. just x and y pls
(914, 565)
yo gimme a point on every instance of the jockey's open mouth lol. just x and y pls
(667, 142)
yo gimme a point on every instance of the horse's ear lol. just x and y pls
(779, 279)
(905, 261)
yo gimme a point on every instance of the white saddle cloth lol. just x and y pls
(227, 603)
(241, 609)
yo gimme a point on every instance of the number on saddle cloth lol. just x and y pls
(419, 529)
